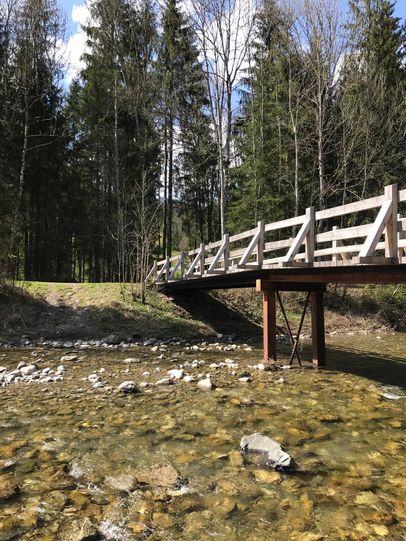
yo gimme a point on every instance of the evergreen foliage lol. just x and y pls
(141, 157)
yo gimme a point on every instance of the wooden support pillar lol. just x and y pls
(270, 292)
(269, 321)
(318, 332)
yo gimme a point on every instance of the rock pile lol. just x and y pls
(29, 373)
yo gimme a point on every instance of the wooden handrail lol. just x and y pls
(308, 246)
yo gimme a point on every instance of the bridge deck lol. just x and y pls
(349, 274)
(373, 252)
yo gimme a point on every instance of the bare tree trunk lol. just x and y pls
(165, 218)
(170, 189)
(120, 210)
(19, 206)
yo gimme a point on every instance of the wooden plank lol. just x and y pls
(208, 247)
(298, 241)
(165, 268)
(277, 245)
(216, 271)
(244, 235)
(262, 285)
(220, 254)
(402, 195)
(344, 234)
(349, 208)
(179, 266)
(297, 264)
(368, 248)
(195, 262)
(249, 251)
(337, 256)
(339, 277)
(282, 224)
(272, 262)
(152, 271)
(375, 260)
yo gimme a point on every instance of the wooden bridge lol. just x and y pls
(303, 253)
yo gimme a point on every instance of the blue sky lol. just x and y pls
(75, 13)
(68, 4)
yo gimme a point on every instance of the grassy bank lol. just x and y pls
(58, 310)
(72, 311)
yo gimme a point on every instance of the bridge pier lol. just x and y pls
(270, 292)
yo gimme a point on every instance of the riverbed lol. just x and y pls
(69, 450)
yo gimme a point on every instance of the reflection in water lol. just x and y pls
(69, 453)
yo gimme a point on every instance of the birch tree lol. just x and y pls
(224, 29)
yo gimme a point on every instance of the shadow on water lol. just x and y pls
(382, 368)
(217, 314)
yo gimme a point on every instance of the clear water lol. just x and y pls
(348, 442)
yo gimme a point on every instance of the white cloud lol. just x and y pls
(76, 44)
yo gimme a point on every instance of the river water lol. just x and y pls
(67, 450)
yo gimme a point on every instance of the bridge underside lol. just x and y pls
(311, 280)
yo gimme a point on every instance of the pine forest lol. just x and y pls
(188, 120)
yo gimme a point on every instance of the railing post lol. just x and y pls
(226, 240)
(182, 265)
(167, 268)
(202, 258)
(310, 237)
(335, 244)
(401, 236)
(391, 228)
(261, 243)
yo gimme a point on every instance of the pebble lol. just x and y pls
(28, 369)
(164, 381)
(70, 357)
(391, 396)
(175, 373)
(205, 384)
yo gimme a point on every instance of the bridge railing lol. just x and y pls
(317, 240)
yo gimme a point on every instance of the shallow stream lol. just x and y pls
(67, 450)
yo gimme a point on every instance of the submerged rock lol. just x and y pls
(132, 360)
(159, 475)
(8, 489)
(70, 357)
(124, 483)
(258, 443)
(81, 530)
